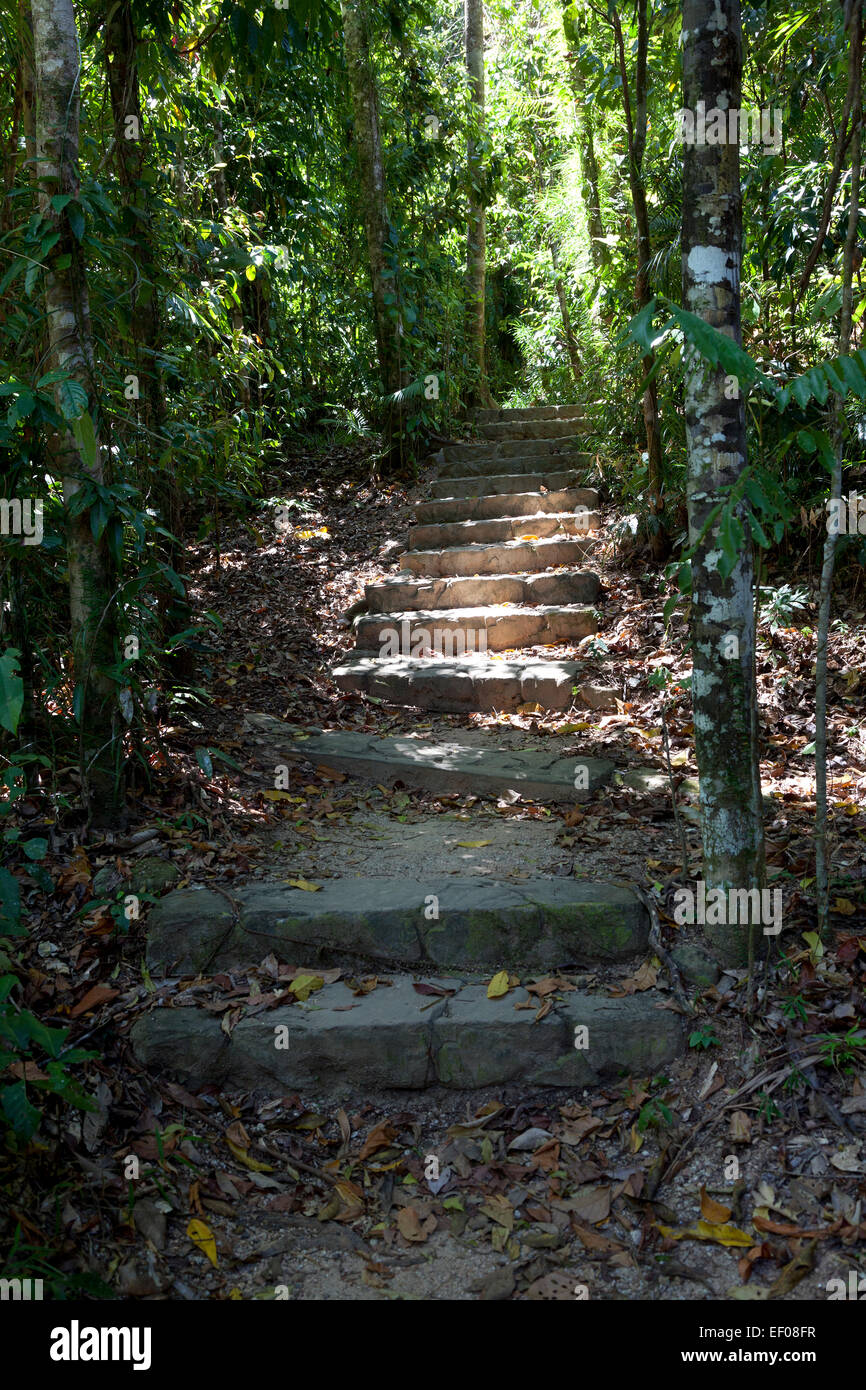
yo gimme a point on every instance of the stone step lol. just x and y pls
(509, 557)
(524, 503)
(450, 923)
(453, 765)
(464, 684)
(455, 631)
(518, 452)
(486, 416)
(441, 534)
(398, 1038)
(406, 593)
(489, 483)
(532, 429)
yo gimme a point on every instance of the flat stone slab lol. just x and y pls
(503, 528)
(453, 631)
(515, 456)
(405, 592)
(497, 505)
(484, 415)
(336, 1044)
(556, 480)
(508, 557)
(531, 429)
(481, 923)
(461, 684)
(454, 765)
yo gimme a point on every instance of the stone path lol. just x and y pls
(496, 563)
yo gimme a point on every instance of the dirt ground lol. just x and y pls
(740, 1173)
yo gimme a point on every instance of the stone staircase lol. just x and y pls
(494, 565)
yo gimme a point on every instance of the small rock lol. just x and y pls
(149, 1221)
(150, 875)
(496, 1286)
(437, 1184)
(530, 1140)
(391, 549)
(602, 697)
(696, 965)
(141, 1278)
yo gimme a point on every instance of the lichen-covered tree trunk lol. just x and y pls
(91, 588)
(476, 237)
(368, 145)
(723, 625)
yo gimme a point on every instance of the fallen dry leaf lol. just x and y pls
(713, 1211)
(201, 1235)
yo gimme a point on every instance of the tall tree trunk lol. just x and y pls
(855, 89)
(598, 248)
(91, 589)
(130, 143)
(567, 330)
(636, 126)
(222, 200)
(142, 329)
(368, 144)
(476, 238)
(723, 617)
(589, 166)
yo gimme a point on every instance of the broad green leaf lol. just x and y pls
(85, 438)
(21, 1115)
(75, 213)
(11, 690)
(71, 398)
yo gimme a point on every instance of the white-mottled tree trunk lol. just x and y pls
(723, 625)
(56, 65)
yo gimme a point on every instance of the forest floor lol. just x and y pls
(739, 1173)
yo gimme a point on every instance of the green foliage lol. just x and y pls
(842, 1052)
(42, 1061)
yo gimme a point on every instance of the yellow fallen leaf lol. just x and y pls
(243, 1157)
(302, 986)
(498, 985)
(580, 728)
(704, 1230)
(281, 796)
(303, 883)
(712, 1210)
(201, 1235)
(473, 844)
(843, 906)
(527, 538)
